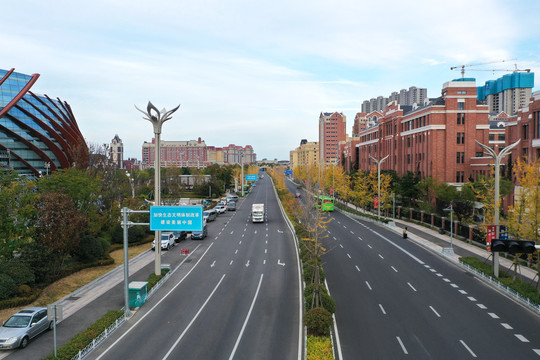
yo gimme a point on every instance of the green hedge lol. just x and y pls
(153, 278)
(523, 288)
(80, 341)
(318, 322)
(20, 301)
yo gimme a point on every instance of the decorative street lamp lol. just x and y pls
(157, 119)
(47, 166)
(451, 210)
(131, 181)
(497, 158)
(379, 162)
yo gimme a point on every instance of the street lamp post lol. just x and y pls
(157, 119)
(131, 182)
(47, 166)
(451, 210)
(497, 162)
(379, 162)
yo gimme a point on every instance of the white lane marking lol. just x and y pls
(264, 262)
(344, 226)
(447, 280)
(232, 232)
(266, 242)
(369, 286)
(382, 309)
(432, 270)
(381, 256)
(341, 246)
(247, 318)
(427, 266)
(463, 292)
(247, 264)
(493, 315)
(236, 252)
(351, 232)
(266, 235)
(240, 242)
(506, 326)
(439, 274)
(335, 329)
(231, 262)
(245, 229)
(213, 264)
(471, 298)
(359, 238)
(369, 246)
(357, 268)
(454, 285)
(537, 351)
(412, 287)
(482, 306)
(401, 344)
(339, 223)
(349, 256)
(393, 268)
(436, 313)
(265, 251)
(334, 237)
(521, 338)
(280, 263)
(468, 348)
(156, 305)
(399, 247)
(242, 235)
(193, 320)
(255, 231)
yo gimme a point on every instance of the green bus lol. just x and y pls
(325, 203)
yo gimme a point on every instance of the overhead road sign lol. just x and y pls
(176, 218)
(251, 177)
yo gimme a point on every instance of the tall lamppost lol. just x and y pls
(157, 119)
(497, 159)
(451, 210)
(47, 166)
(131, 182)
(379, 162)
(242, 157)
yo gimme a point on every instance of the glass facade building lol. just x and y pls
(37, 134)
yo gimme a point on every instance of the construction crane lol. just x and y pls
(478, 64)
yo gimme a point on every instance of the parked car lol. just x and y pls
(231, 206)
(224, 201)
(23, 326)
(298, 195)
(167, 241)
(209, 215)
(179, 236)
(220, 208)
(232, 198)
(199, 235)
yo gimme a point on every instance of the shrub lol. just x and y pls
(327, 301)
(24, 291)
(20, 301)
(153, 278)
(318, 322)
(18, 271)
(319, 348)
(8, 287)
(80, 341)
(91, 248)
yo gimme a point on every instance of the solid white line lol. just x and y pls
(506, 326)
(412, 287)
(193, 320)
(357, 268)
(393, 268)
(369, 287)
(493, 315)
(521, 338)
(468, 348)
(401, 344)
(382, 309)
(247, 318)
(153, 307)
(338, 342)
(436, 313)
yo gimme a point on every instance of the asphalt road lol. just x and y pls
(397, 300)
(239, 300)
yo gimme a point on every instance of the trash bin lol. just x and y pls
(138, 291)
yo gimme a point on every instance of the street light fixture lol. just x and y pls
(451, 210)
(131, 181)
(379, 162)
(497, 159)
(157, 119)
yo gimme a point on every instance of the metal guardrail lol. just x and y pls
(508, 291)
(100, 338)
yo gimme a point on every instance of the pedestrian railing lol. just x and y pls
(508, 291)
(100, 338)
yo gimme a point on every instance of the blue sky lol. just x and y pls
(253, 72)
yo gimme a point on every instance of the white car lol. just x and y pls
(220, 208)
(167, 241)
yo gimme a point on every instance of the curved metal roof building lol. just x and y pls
(37, 134)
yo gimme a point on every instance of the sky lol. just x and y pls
(250, 72)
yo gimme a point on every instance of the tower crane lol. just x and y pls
(477, 64)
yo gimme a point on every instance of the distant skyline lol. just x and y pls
(254, 73)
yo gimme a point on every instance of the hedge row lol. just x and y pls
(153, 279)
(523, 288)
(355, 212)
(79, 342)
(319, 348)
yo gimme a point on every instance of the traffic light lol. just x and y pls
(513, 246)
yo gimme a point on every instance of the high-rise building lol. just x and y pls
(37, 134)
(331, 132)
(307, 154)
(508, 93)
(405, 97)
(117, 152)
(190, 153)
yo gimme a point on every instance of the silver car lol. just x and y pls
(23, 326)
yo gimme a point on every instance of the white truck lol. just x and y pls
(257, 213)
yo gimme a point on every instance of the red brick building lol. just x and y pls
(331, 132)
(526, 126)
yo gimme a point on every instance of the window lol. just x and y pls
(461, 119)
(491, 137)
(479, 154)
(460, 176)
(460, 105)
(525, 135)
(408, 142)
(408, 158)
(502, 137)
(460, 158)
(461, 138)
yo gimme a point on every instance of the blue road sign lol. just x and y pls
(176, 218)
(503, 232)
(288, 172)
(251, 177)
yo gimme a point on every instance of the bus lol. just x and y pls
(325, 203)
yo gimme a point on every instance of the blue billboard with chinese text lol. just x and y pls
(176, 218)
